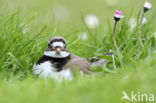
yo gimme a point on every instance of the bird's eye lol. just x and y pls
(49, 45)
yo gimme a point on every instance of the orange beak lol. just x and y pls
(58, 51)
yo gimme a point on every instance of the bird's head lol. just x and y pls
(57, 48)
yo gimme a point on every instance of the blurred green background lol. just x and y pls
(22, 42)
(67, 14)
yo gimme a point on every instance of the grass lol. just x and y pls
(25, 27)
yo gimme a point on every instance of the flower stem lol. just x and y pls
(141, 18)
(115, 44)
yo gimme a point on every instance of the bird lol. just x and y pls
(58, 63)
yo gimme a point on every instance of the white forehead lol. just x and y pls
(58, 43)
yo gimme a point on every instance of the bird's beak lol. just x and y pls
(58, 51)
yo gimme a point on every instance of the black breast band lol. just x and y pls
(57, 62)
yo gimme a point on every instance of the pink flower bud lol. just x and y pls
(147, 5)
(118, 15)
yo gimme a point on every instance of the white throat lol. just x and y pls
(60, 44)
(62, 54)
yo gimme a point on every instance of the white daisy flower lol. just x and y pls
(91, 21)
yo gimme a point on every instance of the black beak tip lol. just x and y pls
(58, 53)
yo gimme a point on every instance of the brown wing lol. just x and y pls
(79, 64)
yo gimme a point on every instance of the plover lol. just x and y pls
(58, 63)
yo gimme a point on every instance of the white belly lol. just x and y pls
(46, 70)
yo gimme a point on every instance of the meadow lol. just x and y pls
(26, 25)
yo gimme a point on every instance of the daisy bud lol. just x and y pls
(147, 6)
(118, 15)
(144, 21)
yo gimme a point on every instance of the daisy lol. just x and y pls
(91, 21)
